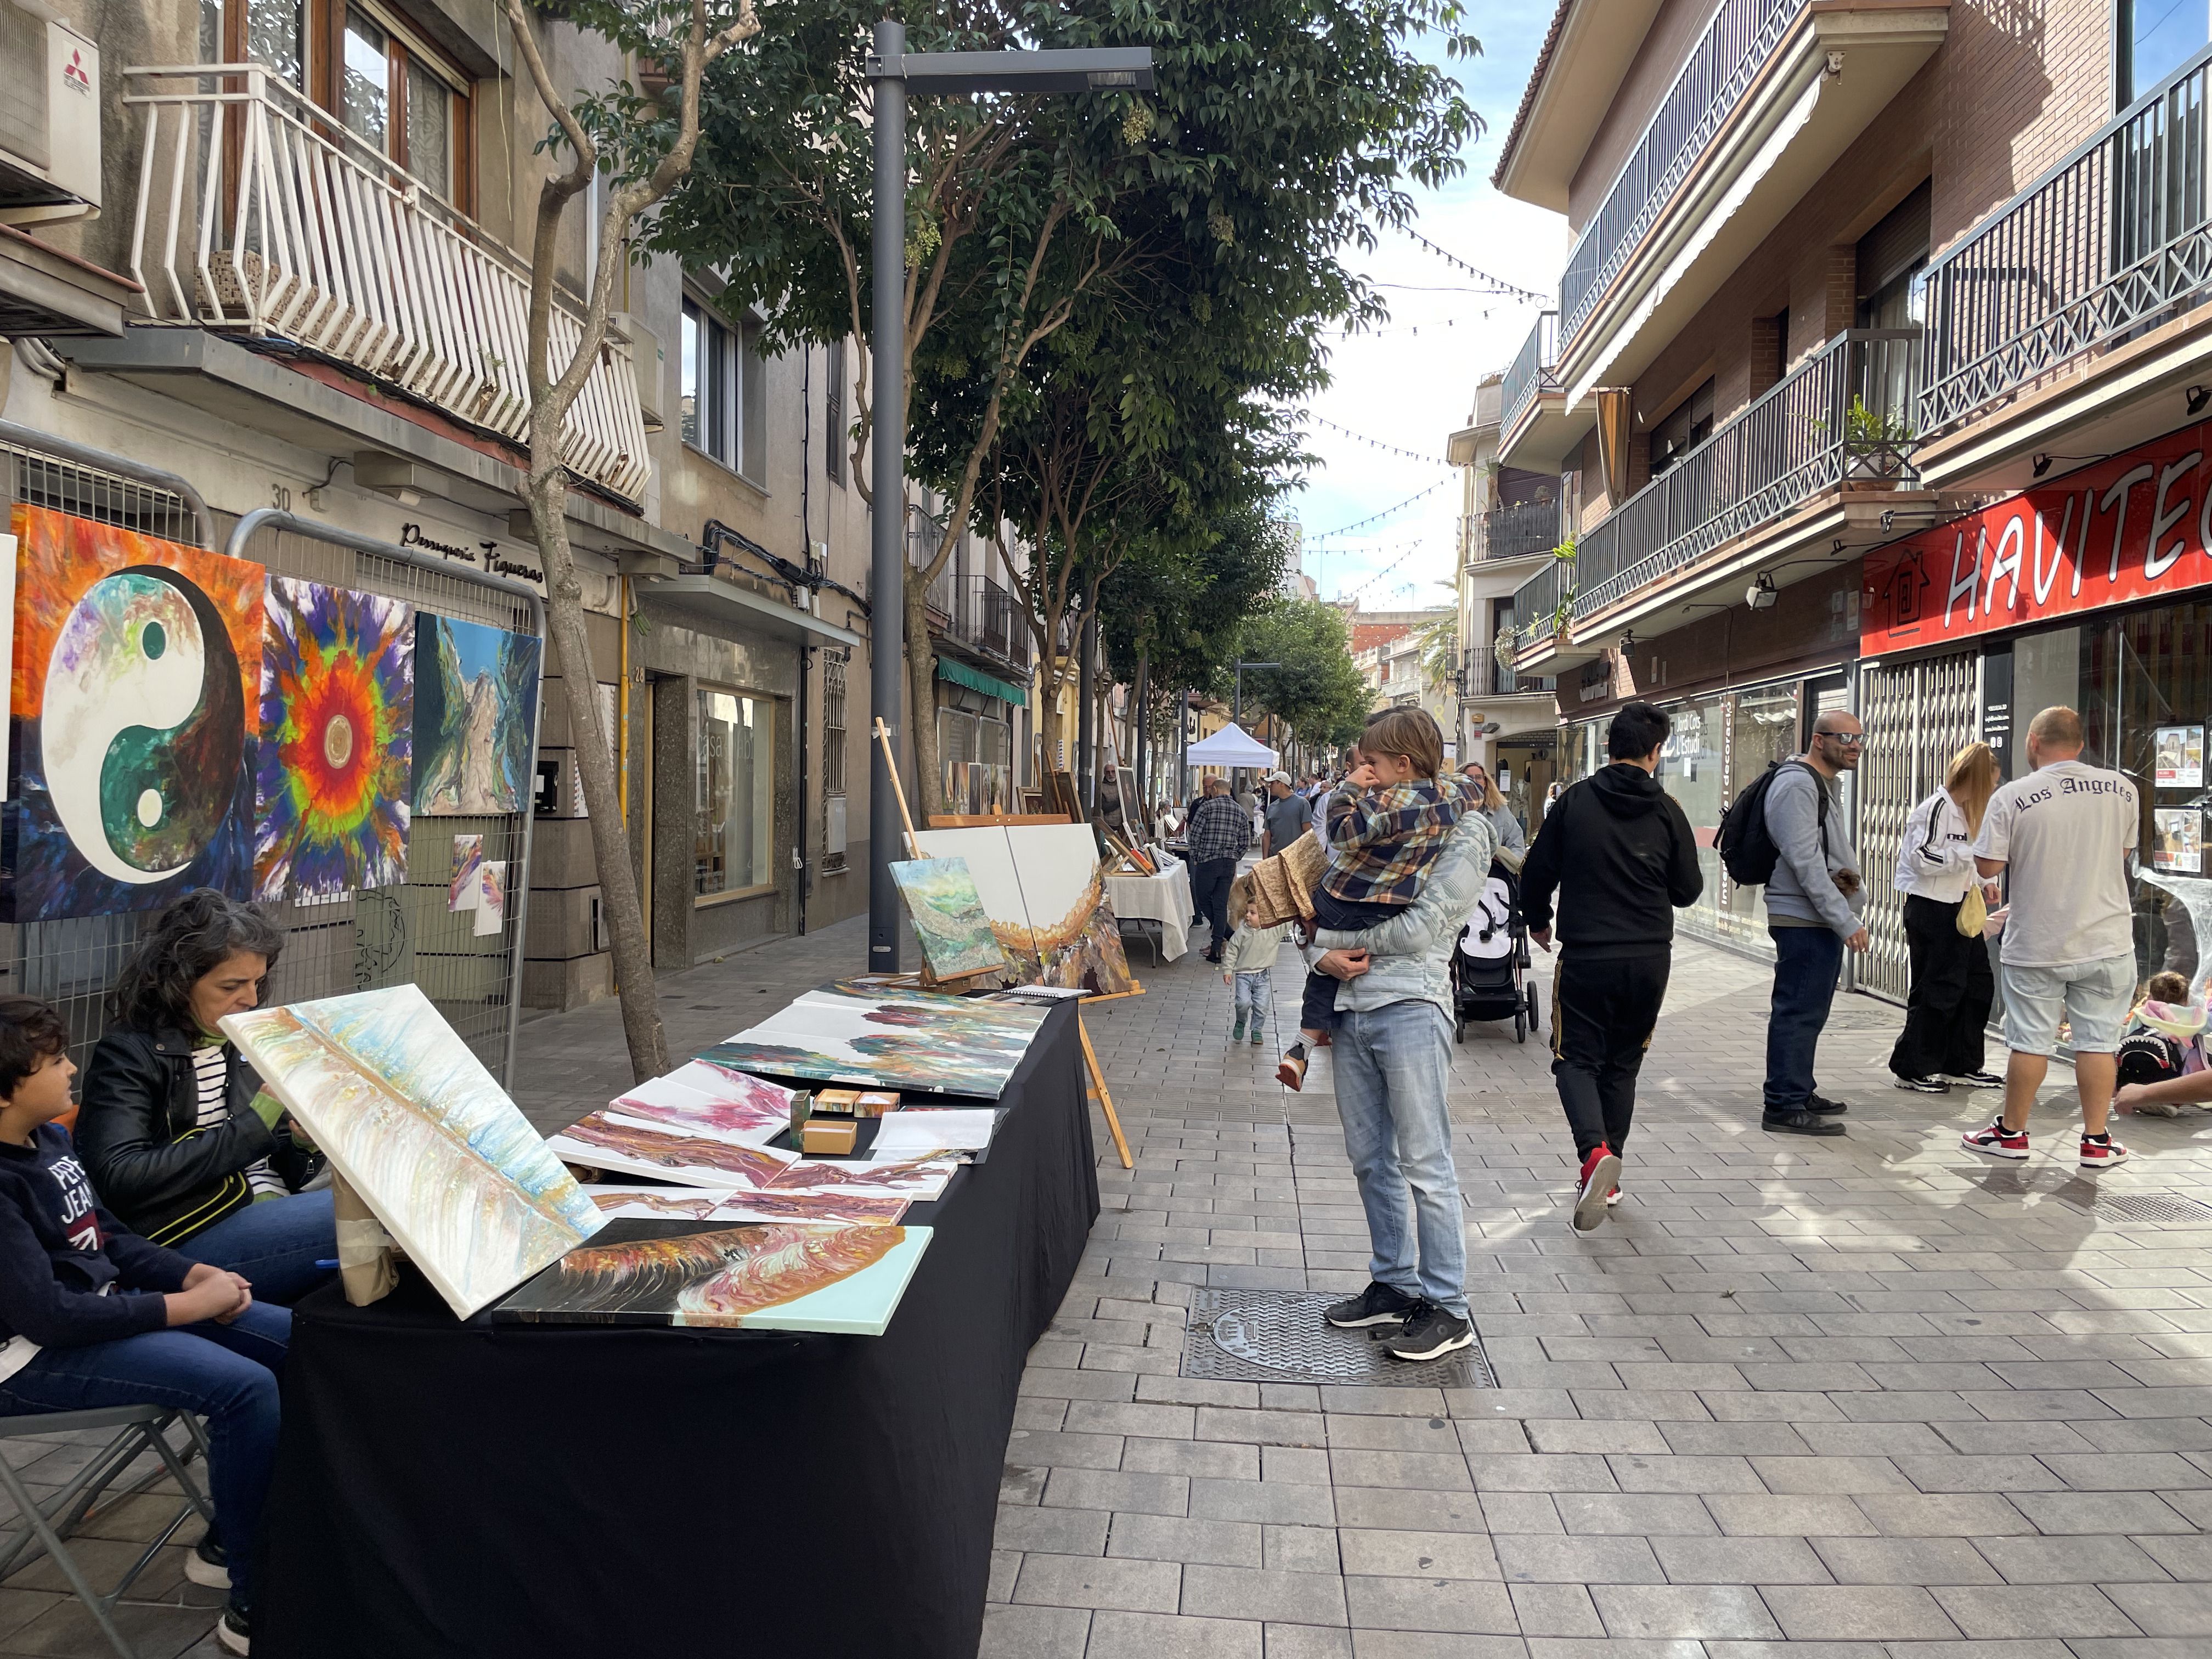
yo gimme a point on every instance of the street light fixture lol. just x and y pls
(892, 69)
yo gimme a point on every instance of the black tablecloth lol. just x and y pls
(475, 1491)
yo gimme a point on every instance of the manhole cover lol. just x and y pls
(2152, 1206)
(1279, 1336)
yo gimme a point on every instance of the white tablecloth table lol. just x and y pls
(1164, 898)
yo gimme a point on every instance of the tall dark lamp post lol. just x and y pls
(893, 70)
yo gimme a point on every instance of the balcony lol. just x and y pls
(987, 619)
(1518, 532)
(2073, 281)
(1772, 95)
(1826, 451)
(1534, 430)
(257, 217)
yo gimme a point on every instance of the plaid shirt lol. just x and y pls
(1380, 845)
(1218, 830)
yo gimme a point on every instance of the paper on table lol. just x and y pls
(917, 1132)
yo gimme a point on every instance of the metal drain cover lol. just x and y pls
(2152, 1206)
(1279, 1336)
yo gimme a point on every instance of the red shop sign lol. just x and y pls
(2133, 528)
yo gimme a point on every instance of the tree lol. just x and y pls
(1317, 690)
(646, 147)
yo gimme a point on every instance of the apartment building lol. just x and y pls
(1876, 378)
(264, 255)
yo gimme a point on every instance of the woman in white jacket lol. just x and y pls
(1952, 987)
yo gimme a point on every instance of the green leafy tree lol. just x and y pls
(1317, 690)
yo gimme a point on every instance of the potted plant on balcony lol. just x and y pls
(1877, 447)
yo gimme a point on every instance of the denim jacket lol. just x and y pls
(1410, 955)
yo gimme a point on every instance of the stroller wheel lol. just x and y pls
(1520, 1026)
(1459, 1028)
(1534, 1024)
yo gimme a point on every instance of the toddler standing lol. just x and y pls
(1248, 961)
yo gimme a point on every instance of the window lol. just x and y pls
(833, 754)
(2157, 37)
(401, 99)
(735, 838)
(835, 436)
(724, 399)
(1690, 425)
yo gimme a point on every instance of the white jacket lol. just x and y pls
(1934, 859)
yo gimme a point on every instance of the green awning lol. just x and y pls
(976, 680)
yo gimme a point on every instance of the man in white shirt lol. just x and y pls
(2065, 832)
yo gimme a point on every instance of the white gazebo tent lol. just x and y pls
(1233, 746)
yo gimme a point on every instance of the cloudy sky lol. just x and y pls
(1412, 384)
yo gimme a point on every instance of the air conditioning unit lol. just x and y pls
(50, 124)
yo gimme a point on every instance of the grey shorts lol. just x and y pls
(2094, 997)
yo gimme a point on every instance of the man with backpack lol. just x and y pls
(1787, 831)
(1622, 858)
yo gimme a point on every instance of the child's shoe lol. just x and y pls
(1236, 1031)
(1256, 1037)
(1291, 1073)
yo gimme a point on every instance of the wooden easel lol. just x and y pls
(1097, 1090)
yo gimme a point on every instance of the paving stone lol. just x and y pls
(1180, 1538)
(2099, 1512)
(1765, 1515)
(1430, 1511)
(2032, 1610)
(1739, 1561)
(1052, 1532)
(1071, 1580)
(1018, 1632)
(1450, 1605)
(1533, 1558)
(2165, 1609)
(2094, 1559)
(1146, 1636)
(1282, 1501)
(1556, 1610)
(1669, 1612)
(1905, 1561)
(1378, 1551)
(1108, 1489)
(1297, 1598)
(1640, 1513)
(1879, 1612)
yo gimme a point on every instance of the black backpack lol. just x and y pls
(1747, 850)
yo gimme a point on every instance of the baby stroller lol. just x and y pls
(1490, 966)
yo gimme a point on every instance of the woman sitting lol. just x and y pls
(175, 1131)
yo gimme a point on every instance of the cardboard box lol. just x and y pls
(841, 1101)
(874, 1103)
(835, 1136)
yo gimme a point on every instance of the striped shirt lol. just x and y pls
(1380, 844)
(212, 1067)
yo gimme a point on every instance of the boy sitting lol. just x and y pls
(94, 1315)
(2164, 1045)
(1381, 841)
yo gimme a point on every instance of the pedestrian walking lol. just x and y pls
(1812, 904)
(1947, 1011)
(1393, 1062)
(2062, 835)
(1620, 854)
(1220, 834)
(1285, 816)
(1249, 962)
(1512, 838)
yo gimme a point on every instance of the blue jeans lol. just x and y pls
(1254, 999)
(273, 1246)
(1807, 963)
(225, 1373)
(1392, 1066)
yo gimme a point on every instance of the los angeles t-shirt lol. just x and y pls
(2065, 832)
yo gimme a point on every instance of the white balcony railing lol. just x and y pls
(257, 212)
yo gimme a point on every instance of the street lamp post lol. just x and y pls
(893, 70)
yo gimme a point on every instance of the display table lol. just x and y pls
(1164, 898)
(470, 1491)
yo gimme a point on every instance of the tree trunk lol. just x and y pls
(921, 698)
(610, 854)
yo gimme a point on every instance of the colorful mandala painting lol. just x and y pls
(337, 722)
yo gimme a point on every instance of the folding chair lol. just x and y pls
(141, 1429)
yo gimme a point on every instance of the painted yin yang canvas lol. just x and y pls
(475, 710)
(337, 738)
(133, 695)
(411, 1119)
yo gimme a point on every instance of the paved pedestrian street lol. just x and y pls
(1862, 1397)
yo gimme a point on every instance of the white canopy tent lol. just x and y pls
(1233, 746)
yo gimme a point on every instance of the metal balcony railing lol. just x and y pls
(1507, 683)
(257, 212)
(988, 618)
(1514, 532)
(1531, 373)
(1726, 59)
(2113, 238)
(1539, 602)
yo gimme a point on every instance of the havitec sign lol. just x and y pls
(2135, 527)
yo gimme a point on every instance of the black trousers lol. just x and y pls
(1209, 886)
(1946, 1013)
(1603, 1013)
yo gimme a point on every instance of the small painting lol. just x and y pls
(948, 919)
(338, 735)
(134, 689)
(2178, 757)
(2178, 841)
(467, 885)
(491, 897)
(475, 711)
(914, 1040)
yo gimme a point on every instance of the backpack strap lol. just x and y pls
(1820, 801)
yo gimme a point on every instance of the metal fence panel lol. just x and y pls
(1918, 715)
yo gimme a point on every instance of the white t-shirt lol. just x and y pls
(2065, 832)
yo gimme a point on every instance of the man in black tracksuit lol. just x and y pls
(1619, 852)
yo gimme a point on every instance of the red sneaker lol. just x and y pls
(1600, 1171)
(1613, 1198)
(1997, 1141)
(2102, 1154)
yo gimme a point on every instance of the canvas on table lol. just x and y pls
(624, 1202)
(762, 1112)
(614, 1141)
(910, 1041)
(338, 742)
(787, 1276)
(476, 712)
(955, 932)
(414, 1123)
(135, 687)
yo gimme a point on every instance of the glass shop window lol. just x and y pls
(735, 836)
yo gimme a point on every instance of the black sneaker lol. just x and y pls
(233, 1632)
(1921, 1086)
(1975, 1079)
(208, 1566)
(1378, 1305)
(1430, 1334)
(1822, 1104)
(1806, 1123)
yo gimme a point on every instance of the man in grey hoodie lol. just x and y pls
(1812, 905)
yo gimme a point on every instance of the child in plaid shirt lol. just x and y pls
(1380, 844)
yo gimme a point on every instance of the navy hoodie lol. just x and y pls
(70, 1273)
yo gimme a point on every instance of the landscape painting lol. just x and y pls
(787, 1276)
(1041, 887)
(475, 711)
(134, 692)
(338, 739)
(414, 1123)
(955, 933)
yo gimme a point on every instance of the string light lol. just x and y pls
(1458, 263)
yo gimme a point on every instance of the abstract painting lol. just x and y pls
(613, 1141)
(1040, 885)
(411, 1119)
(619, 1203)
(466, 885)
(133, 691)
(475, 710)
(491, 897)
(948, 919)
(942, 1044)
(759, 1116)
(787, 1276)
(338, 736)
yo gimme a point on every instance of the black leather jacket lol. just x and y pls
(137, 1132)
